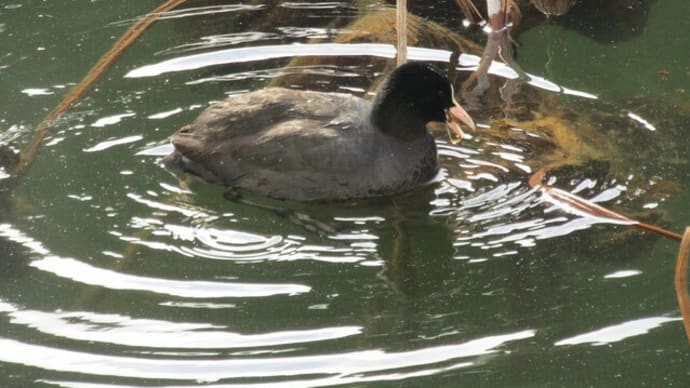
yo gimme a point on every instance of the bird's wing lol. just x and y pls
(291, 131)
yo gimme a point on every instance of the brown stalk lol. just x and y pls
(469, 10)
(496, 13)
(401, 31)
(104, 63)
(681, 281)
(95, 73)
(565, 198)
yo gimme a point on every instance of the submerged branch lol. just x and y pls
(104, 63)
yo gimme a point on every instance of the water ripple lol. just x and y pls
(499, 206)
(619, 332)
(104, 145)
(215, 243)
(222, 40)
(184, 209)
(84, 273)
(158, 334)
(348, 366)
(199, 11)
(331, 71)
(266, 52)
(87, 274)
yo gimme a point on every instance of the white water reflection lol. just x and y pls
(104, 145)
(110, 120)
(626, 273)
(330, 71)
(616, 333)
(31, 92)
(234, 245)
(165, 114)
(642, 121)
(84, 273)
(158, 334)
(348, 366)
(261, 53)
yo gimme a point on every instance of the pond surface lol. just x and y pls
(117, 272)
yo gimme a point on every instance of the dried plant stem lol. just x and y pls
(401, 30)
(681, 281)
(497, 15)
(43, 129)
(469, 10)
(571, 201)
(659, 230)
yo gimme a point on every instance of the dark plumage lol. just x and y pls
(307, 145)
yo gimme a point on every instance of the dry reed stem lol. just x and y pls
(104, 63)
(95, 73)
(469, 10)
(567, 200)
(496, 14)
(681, 281)
(401, 31)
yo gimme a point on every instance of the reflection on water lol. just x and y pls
(618, 332)
(151, 333)
(266, 52)
(347, 367)
(118, 272)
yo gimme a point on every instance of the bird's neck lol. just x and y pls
(397, 117)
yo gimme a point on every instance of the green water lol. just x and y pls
(115, 273)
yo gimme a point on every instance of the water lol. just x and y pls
(114, 272)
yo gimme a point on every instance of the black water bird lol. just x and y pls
(307, 145)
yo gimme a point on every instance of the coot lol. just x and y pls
(306, 145)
